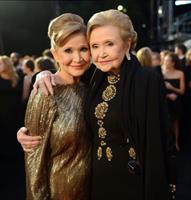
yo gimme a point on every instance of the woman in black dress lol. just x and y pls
(175, 86)
(10, 120)
(10, 101)
(125, 112)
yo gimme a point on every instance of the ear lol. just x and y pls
(54, 53)
(127, 45)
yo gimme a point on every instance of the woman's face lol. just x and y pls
(107, 48)
(25, 69)
(2, 66)
(74, 56)
(168, 63)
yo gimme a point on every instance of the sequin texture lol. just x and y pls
(58, 169)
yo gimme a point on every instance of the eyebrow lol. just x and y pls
(70, 47)
(106, 41)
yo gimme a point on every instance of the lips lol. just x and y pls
(77, 66)
(104, 62)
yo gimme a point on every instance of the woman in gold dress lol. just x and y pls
(58, 168)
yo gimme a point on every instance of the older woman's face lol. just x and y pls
(107, 48)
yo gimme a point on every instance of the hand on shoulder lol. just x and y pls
(44, 80)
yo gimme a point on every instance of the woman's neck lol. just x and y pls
(63, 79)
(4, 76)
(167, 70)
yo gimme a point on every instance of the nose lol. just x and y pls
(103, 53)
(77, 57)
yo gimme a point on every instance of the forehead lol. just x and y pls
(168, 57)
(76, 39)
(105, 32)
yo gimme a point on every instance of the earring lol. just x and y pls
(128, 56)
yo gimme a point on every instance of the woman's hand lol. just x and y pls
(168, 85)
(172, 96)
(27, 142)
(44, 80)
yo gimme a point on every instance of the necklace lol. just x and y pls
(100, 113)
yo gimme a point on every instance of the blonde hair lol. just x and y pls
(9, 70)
(144, 55)
(188, 57)
(63, 26)
(115, 18)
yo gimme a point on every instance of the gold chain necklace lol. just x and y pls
(100, 113)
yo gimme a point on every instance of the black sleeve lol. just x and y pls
(156, 184)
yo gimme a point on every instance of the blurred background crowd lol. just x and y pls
(164, 44)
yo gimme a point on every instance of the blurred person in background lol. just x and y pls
(156, 59)
(47, 53)
(163, 53)
(175, 86)
(28, 71)
(44, 63)
(15, 58)
(150, 59)
(180, 50)
(11, 157)
(144, 56)
(156, 62)
(41, 64)
(17, 63)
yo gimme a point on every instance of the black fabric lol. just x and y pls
(174, 107)
(12, 184)
(144, 120)
(146, 117)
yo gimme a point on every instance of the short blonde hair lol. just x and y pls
(10, 69)
(115, 18)
(64, 26)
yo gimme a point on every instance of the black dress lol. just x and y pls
(111, 177)
(135, 119)
(175, 107)
(9, 114)
(12, 166)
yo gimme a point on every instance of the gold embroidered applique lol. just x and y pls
(112, 79)
(109, 153)
(100, 113)
(132, 153)
(101, 110)
(99, 153)
(109, 93)
(102, 132)
(102, 143)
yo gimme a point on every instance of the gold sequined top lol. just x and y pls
(58, 169)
